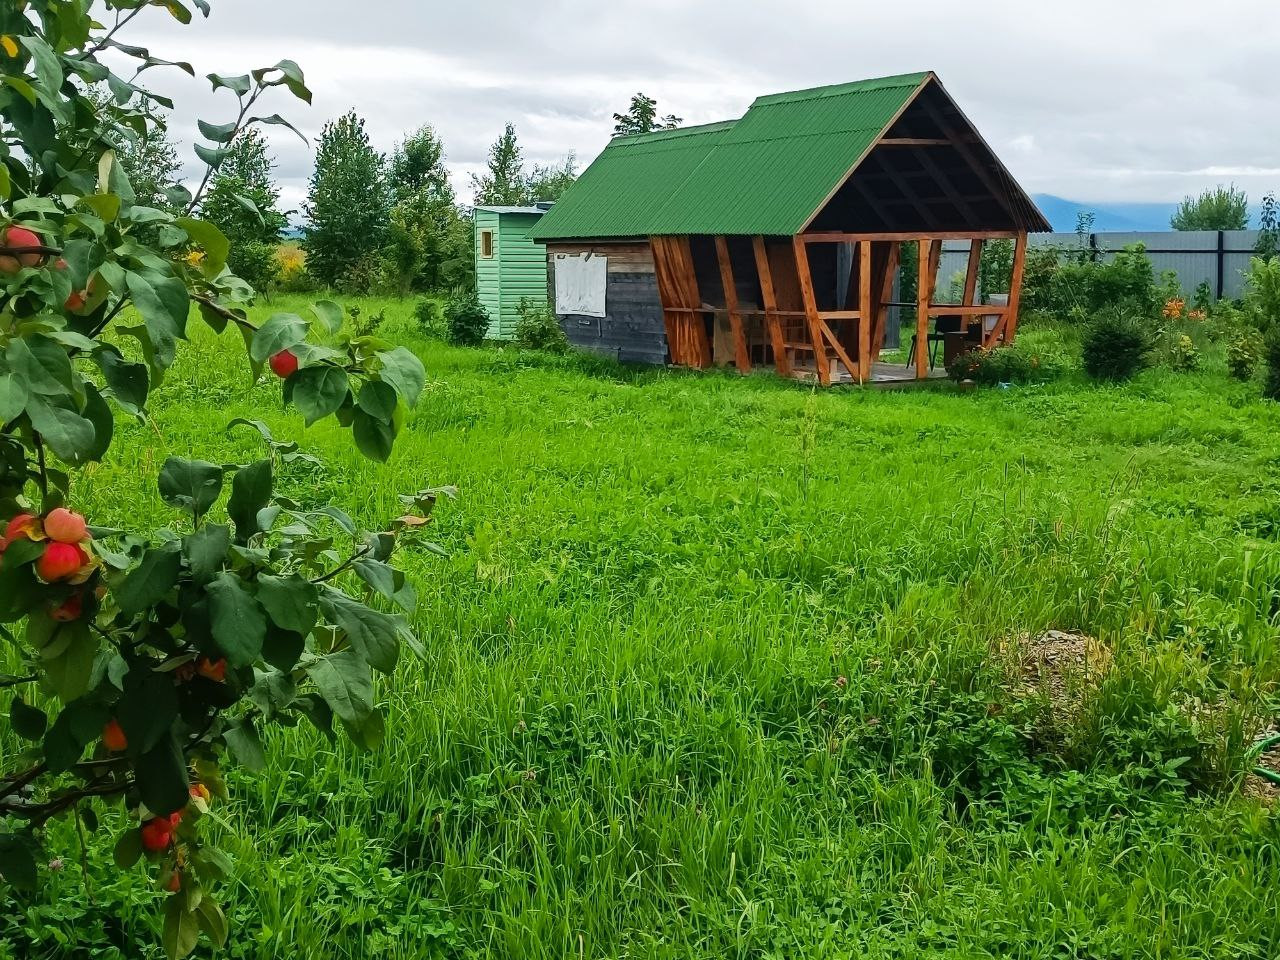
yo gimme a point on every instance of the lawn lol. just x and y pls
(724, 667)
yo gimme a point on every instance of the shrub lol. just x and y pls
(1065, 288)
(1243, 353)
(538, 328)
(1271, 389)
(1262, 298)
(466, 320)
(430, 316)
(1116, 345)
(291, 270)
(1002, 365)
(1184, 355)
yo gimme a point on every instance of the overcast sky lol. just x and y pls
(1093, 100)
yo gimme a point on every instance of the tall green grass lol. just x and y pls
(628, 738)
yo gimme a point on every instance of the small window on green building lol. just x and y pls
(486, 244)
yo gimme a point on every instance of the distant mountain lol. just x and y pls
(1108, 217)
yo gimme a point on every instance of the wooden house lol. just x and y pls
(774, 240)
(510, 266)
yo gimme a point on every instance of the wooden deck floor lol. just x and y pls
(884, 376)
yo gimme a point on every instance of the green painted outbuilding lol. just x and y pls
(510, 267)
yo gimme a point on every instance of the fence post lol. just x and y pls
(1093, 248)
(1222, 263)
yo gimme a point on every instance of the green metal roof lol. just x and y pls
(766, 173)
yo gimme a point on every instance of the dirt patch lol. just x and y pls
(1260, 787)
(1061, 665)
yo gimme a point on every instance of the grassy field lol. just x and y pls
(725, 667)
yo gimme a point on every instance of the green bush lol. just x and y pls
(1243, 353)
(538, 328)
(1184, 355)
(1262, 298)
(1002, 365)
(1078, 286)
(466, 320)
(1271, 388)
(1116, 344)
(430, 316)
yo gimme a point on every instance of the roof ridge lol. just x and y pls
(838, 89)
(673, 133)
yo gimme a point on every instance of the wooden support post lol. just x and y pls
(867, 313)
(935, 261)
(886, 295)
(924, 292)
(742, 357)
(780, 359)
(1015, 287)
(971, 280)
(841, 354)
(820, 360)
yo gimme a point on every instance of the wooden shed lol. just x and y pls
(510, 266)
(774, 240)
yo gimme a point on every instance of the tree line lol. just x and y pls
(372, 221)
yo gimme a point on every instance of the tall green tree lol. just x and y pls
(348, 205)
(503, 182)
(428, 240)
(1221, 208)
(548, 183)
(244, 202)
(642, 117)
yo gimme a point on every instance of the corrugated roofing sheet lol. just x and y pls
(764, 174)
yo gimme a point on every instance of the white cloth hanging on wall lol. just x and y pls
(580, 284)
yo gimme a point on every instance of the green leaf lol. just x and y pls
(42, 364)
(374, 438)
(213, 157)
(70, 672)
(289, 601)
(17, 860)
(214, 241)
(276, 120)
(238, 85)
(128, 849)
(319, 391)
(404, 371)
(388, 582)
(68, 434)
(329, 314)
(191, 485)
(164, 305)
(105, 206)
(99, 415)
(148, 708)
(181, 929)
(242, 737)
(212, 920)
(283, 648)
(147, 584)
(129, 382)
(374, 635)
(369, 735)
(162, 777)
(378, 400)
(217, 132)
(13, 396)
(250, 492)
(236, 619)
(280, 332)
(344, 681)
(27, 721)
(73, 729)
(206, 550)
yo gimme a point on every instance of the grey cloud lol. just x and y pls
(1096, 99)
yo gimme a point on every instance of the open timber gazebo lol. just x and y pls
(774, 240)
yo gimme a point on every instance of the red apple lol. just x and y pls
(283, 364)
(60, 561)
(20, 237)
(65, 526)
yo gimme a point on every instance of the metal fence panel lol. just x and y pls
(1219, 259)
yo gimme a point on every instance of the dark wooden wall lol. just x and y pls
(633, 332)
